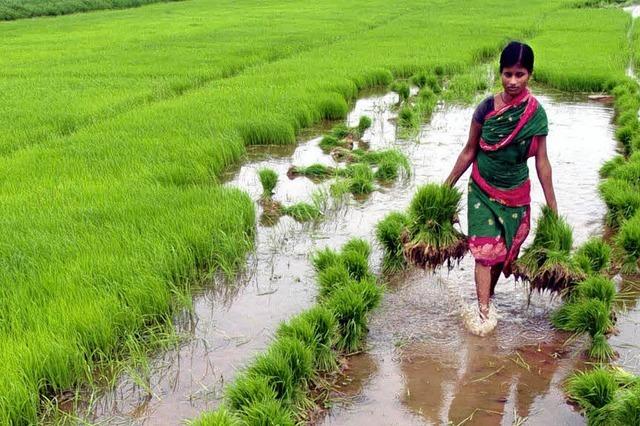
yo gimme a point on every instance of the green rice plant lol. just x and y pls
(276, 369)
(408, 118)
(358, 182)
(356, 264)
(10, 10)
(268, 412)
(340, 131)
(332, 106)
(432, 238)
(390, 156)
(220, 417)
(426, 102)
(420, 79)
(625, 133)
(359, 246)
(247, 389)
(268, 180)
(594, 256)
(583, 316)
(402, 89)
(595, 287)
(628, 118)
(322, 259)
(387, 171)
(600, 349)
(547, 264)
(389, 234)
(317, 328)
(622, 200)
(302, 212)
(349, 305)
(329, 142)
(628, 240)
(611, 165)
(363, 124)
(593, 389)
(314, 171)
(332, 277)
(298, 356)
(268, 132)
(628, 172)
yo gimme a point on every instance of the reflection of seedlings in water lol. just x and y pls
(431, 238)
(547, 264)
(389, 234)
(594, 256)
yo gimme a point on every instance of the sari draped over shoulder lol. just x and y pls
(499, 190)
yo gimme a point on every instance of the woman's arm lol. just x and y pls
(544, 173)
(467, 155)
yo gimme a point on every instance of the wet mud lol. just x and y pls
(421, 365)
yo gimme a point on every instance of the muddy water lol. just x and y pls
(422, 365)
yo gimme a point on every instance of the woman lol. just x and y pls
(506, 129)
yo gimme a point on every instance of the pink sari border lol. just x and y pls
(488, 251)
(516, 197)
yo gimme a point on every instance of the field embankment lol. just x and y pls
(116, 126)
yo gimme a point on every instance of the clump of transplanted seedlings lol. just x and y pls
(389, 234)
(431, 238)
(273, 210)
(594, 256)
(607, 395)
(628, 240)
(547, 264)
(316, 172)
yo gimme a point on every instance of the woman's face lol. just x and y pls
(514, 79)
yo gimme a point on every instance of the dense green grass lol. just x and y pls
(18, 9)
(115, 127)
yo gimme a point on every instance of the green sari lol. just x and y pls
(499, 190)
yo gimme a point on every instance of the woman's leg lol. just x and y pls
(483, 288)
(496, 270)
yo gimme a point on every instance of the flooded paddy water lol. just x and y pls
(422, 366)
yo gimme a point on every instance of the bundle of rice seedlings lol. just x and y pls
(628, 240)
(592, 389)
(332, 277)
(611, 165)
(268, 412)
(583, 316)
(356, 264)
(329, 142)
(364, 123)
(302, 212)
(269, 180)
(389, 234)
(407, 117)
(594, 256)
(277, 371)
(426, 101)
(298, 357)
(600, 349)
(220, 417)
(387, 171)
(248, 389)
(315, 171)
(595, 287)
(324, 258)
(547, 264)
(402, 89)
(350, 305)
(340, 131)
(325, 334)
(419, 79)
(343, 155)
(622, 200)
(359, 246)
(431, 238)
(359, 182)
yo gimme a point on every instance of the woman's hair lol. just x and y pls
(516, 53)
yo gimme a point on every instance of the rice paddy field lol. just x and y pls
(130, 142)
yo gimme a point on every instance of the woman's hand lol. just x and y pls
(467, 155)
(543, 167)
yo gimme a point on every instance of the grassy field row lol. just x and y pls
(60, 75)
(19, 9)
(104, 223)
